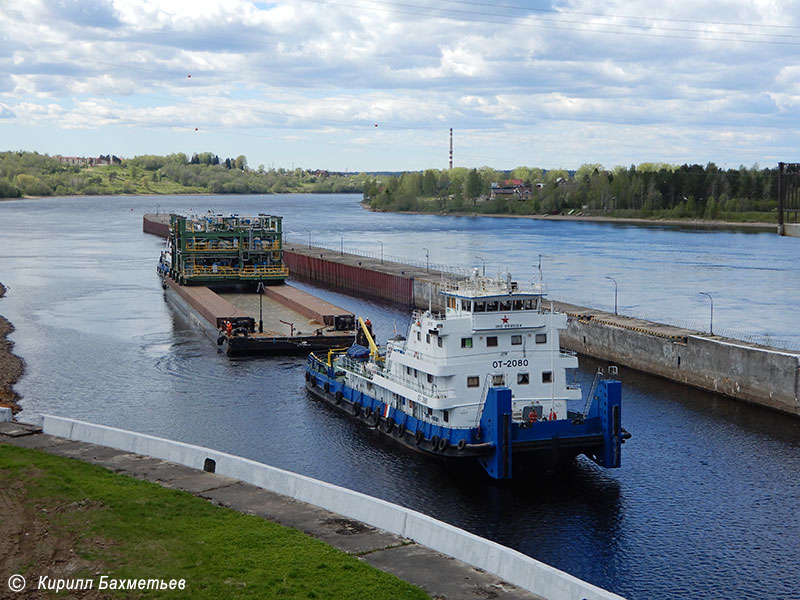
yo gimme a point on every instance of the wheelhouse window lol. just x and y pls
(523, 379)
(547, 377)
(427, 338)
(541, 338)
(466, 342)
(430, 378)
(419, 337)
(516, 340)
(498, 380)
(491, 341)
(473, 381)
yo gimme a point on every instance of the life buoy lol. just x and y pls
(443, 444)
(338, 397)
(462, 443)
(418, 435)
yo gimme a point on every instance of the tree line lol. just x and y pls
(646, 190)
(34, 174)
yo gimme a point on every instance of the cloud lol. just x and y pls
(598, 83)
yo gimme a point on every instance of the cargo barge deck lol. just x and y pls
(292, 321)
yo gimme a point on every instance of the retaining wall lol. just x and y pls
(156, 224)
(763, 376)
(766, 377)
(357, 280)
(513, 566)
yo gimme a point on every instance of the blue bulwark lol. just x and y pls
(496, 429)
(609, 394)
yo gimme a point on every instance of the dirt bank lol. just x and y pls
(11, 366)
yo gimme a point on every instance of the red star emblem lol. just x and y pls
(505, 319)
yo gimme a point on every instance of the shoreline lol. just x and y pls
(759, 225)
(11, 366)
(713, 224)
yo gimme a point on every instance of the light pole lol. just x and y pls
(309, 238)
(381, 252)
(615, 292)
(341, 251)
(260, 290)
(484, 264)
(426, 260)
(711, 326)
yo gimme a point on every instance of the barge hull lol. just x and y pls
(208, 311)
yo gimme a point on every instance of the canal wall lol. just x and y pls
(512, 566)
(156, 224)
(756, 374)
(760, 375)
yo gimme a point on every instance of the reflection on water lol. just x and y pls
(704, 506)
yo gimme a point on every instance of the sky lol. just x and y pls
(366, 85)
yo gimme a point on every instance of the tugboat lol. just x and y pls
(486, 380)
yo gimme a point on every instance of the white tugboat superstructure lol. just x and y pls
(486, 378)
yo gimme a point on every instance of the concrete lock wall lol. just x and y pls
(767, 377)
(355, 280)
(510, 565)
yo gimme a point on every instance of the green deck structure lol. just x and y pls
(214, 250)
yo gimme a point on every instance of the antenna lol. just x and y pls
(451, 148)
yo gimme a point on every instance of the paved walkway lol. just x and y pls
(442, 577)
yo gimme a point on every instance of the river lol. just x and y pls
(704, 506)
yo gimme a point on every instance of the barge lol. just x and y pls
(486, 380)
(227, 274)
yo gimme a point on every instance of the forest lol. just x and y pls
(649, 190)
(34, 174)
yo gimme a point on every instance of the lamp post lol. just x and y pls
(381, 252)
(341, 251)
(711, 325)
(484, 264)
(260, 290)
(309, 238)
(427, 264)
(615, 292)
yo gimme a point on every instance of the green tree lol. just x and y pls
(473, 184)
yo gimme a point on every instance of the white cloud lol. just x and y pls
(650, 82)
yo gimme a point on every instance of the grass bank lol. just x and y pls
(64, 518)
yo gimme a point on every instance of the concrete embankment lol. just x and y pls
(760, 375)
(409, 544)
(765, 376)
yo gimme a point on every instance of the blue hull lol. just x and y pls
(499, 444)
